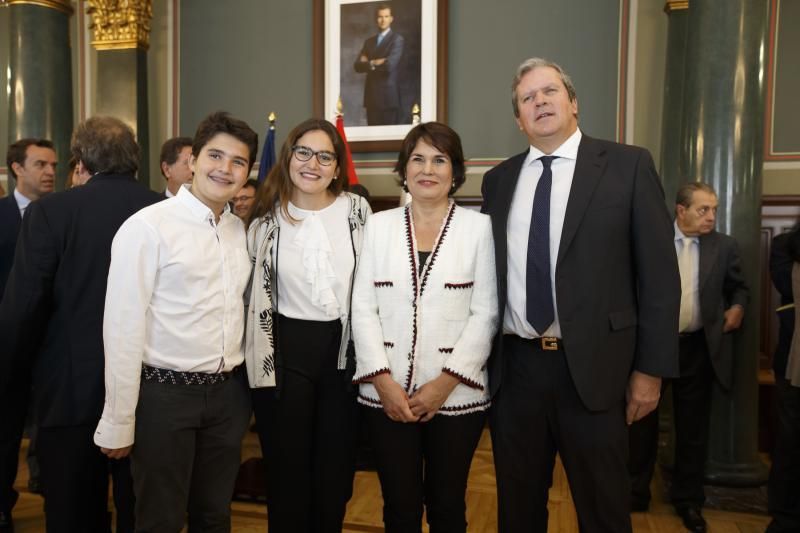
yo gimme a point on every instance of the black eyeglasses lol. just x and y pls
(304, 153)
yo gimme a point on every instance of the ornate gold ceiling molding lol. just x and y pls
(675, 5)
(120, 24)
(65, 6)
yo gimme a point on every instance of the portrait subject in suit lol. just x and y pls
(588, 292)
(380, 59)
(713, 296)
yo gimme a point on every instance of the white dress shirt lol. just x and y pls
(22, 202)
(693, 290)
(518, 228)
(174, 300)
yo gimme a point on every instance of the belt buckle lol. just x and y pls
(549, 343)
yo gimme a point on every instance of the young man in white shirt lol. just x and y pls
(173, 328)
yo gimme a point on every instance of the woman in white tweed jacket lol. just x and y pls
(304, 240)
(424, 314)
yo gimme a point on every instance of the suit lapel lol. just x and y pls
(505, 194)
(709, 248)
(589, 168)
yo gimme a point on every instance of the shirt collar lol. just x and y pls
(168, 193)
(198, 209)
(567, 150)
(679, 236)
(385, 32)
(22, 201)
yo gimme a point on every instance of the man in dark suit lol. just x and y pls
(32, 165)
(588, 282)
(51, 317)
(380, 59)
(713, 296)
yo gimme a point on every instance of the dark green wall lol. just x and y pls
(251, 57)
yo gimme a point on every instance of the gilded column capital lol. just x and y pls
(120, 24)
(675, 5)
(65, 6)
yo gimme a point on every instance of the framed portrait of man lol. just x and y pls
(385, 61)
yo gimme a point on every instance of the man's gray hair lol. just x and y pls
(537, 62)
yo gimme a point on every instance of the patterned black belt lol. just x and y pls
(173, 377)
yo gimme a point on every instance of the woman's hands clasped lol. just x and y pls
(422, 406)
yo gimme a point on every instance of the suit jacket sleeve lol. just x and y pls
(658, 280)
(27, 301)
(780, 267)
(394, 56)
(735, 288)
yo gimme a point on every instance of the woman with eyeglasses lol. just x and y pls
(304, 238)
(424, 315)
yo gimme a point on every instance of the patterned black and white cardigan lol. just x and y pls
(417, 326)
(260, 302)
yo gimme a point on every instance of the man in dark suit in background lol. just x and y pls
(174, 163)
(713, 296)
(589, 284)
(51, 317)
(380, 59)
(32, 164)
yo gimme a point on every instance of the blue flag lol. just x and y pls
(267, 154)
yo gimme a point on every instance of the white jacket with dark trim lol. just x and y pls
(417, 326)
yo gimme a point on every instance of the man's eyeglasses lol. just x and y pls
(304, 153)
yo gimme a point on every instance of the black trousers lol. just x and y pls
(784, 477)
(537, 413)
(74, 477)
(691, 396)
(186, 453)
(13, 409)
(424, 464)
(308, 430)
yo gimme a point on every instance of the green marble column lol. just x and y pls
(672, 174)
(121, 91)
(723, 110)
(40, 100)
(121, 33)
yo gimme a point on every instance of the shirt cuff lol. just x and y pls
(113, 436)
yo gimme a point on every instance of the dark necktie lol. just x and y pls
(538, 286)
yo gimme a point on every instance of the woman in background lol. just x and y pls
(304, 238)
(424, 315)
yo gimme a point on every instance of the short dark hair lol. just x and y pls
(443, 138)
(684, 195)
(18, 151)
(277, 187)
(171, 149)
(251, 183)
(105, 145)
(382, 6)
(534, 63)
(222, 122)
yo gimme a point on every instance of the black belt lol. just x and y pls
(547, 344)
(174, 377)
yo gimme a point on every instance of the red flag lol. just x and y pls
(351, 168)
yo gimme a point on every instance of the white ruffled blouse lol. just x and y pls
(315, 261)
